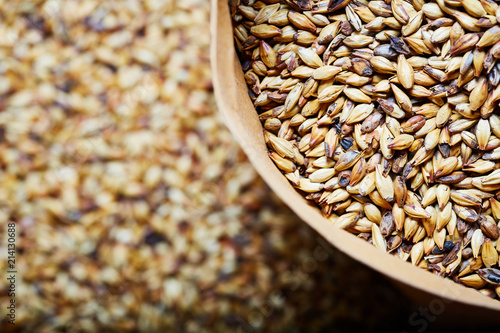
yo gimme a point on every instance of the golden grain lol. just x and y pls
(384, 113)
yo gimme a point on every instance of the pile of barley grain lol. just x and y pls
(385, 114)
(135, 209)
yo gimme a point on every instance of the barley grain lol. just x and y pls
(385, 113)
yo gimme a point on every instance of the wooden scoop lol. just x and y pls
(443, 298)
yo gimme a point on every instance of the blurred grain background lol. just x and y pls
(136, 211)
